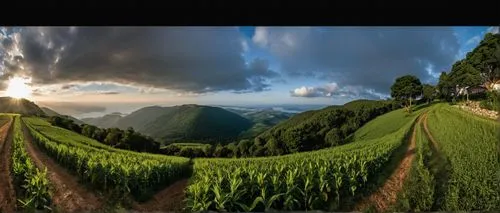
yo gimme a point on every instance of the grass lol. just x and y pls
(386, 124)
(470, 144)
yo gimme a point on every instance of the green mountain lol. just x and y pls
(326, 127)
(183, 123)
(21, 106)
(262, 120)
(50, 112)
(107, 121)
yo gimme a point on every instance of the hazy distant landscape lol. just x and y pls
(249, 119)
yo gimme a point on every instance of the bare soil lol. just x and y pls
(7, 193)
(67, 194)
(170, 199)
(386, 195)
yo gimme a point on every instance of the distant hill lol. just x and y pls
(262, 120)
(50, 112)
(329, 126)
(21, 106)
(179, 123)
(106, 121)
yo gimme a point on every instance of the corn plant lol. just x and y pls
(107, 169)
(34, 191)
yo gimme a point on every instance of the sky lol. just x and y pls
(94, 70)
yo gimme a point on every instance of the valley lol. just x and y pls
(319, 119)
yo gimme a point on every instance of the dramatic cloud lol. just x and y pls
(332, 90)
(186, 59)
(370, 58)
(309, 92)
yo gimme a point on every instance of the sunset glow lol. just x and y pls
(18, 88)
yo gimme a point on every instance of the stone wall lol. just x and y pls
(473, 106)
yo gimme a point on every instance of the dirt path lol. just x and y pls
(170, 199)
(7, 193)
(428, 133)
(440, 167)
(67, 194)
(387, 193)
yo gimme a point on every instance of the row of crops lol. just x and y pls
(470, 145)
(58, 134)
(317, 180)
(118, 172)
(32, 184)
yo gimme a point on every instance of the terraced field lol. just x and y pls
(397, 162)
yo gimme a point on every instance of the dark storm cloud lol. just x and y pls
(185, 59)
(367, 57)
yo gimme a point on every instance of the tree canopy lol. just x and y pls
(428, 92)
(481, 66)
(406, 87)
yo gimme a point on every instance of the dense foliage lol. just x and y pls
(32, 185)
(317, 129)
(105, 168)
(481, 66)
(406, 88)
(123, 139)
(319, 180)
(470, 144)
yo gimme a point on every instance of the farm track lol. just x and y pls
(386, 195)
(170, 199)
(440, 167)
(67, 193)
(7, 193)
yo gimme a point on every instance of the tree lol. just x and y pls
(428, 92)
(407, 87)
(486, 59)
(444, 86)
(464, 75)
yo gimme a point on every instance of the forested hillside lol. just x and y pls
(317, 129)
(179, 123)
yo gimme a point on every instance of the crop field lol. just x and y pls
(331, 179)
(118, 172)
(33, 192)
(470, 145)
(319, 180)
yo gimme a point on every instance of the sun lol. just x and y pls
(18, 88)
